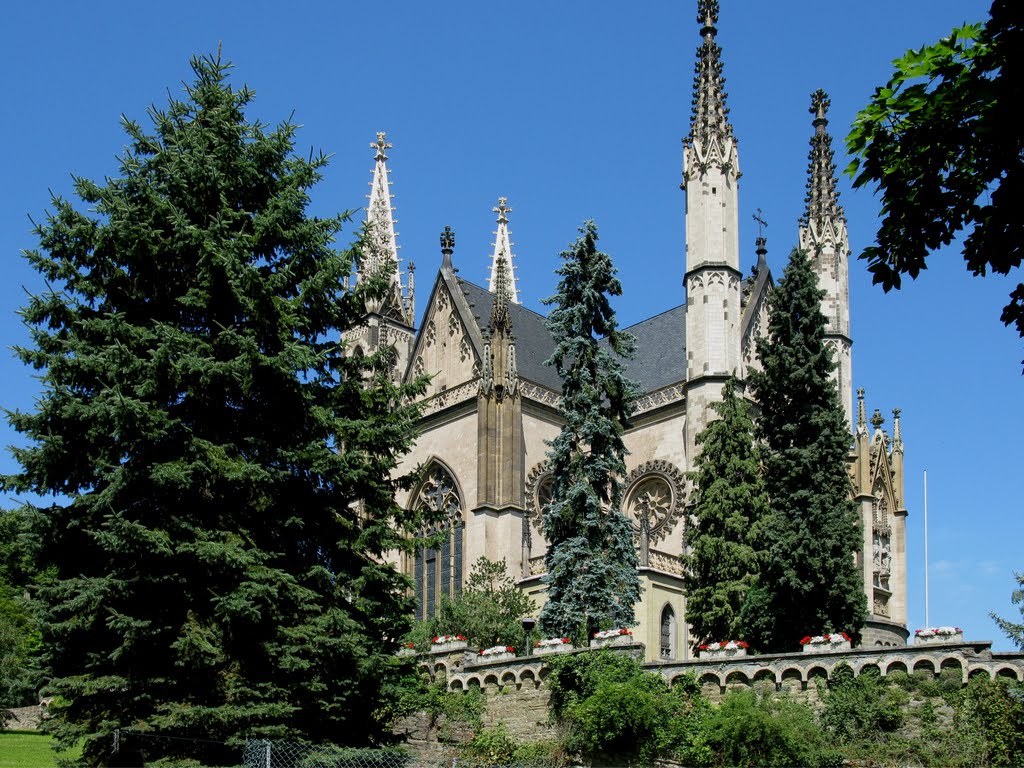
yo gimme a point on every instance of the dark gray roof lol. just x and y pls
(534, 344)
(660, 353)
(660, 350)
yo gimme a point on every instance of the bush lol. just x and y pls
(751, 729)
(611, 707)
(862, 708)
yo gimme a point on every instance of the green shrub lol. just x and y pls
(862, 708)
(611, 707)
(994, 709)
(766, 729)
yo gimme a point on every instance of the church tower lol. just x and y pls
(710, 179)
(823, 236)
(389, 319)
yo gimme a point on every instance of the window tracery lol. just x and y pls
(437, 565)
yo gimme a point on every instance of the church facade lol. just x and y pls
(491, 405)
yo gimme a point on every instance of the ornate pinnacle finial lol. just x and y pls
(820, 102)
(877, 419)
(897, 430)
(862, 419)
(710, 114)
(707, 15)
(503, 252)
(499, 310)
(381, 144)
(447, 246)
(761, 243)
(502, 210)
(822, 198)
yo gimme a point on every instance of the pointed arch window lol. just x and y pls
(438, 564)
(667, 641)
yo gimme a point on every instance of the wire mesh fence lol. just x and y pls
(284, 754)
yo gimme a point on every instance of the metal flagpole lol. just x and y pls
(927, 621)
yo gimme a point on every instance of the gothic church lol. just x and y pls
(491, 405)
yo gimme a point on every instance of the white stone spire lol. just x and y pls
(382, 250)
(822, 234)
(503, 253)
(711, 173)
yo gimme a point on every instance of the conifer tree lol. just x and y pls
(809, 582)
(729, 498)
(219, 470)
(592, 563)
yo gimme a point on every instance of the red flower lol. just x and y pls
(741, 644)
(845, 636)
(806, 640)
(702, 647)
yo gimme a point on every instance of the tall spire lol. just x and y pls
(499, 310)
(822, 234)
(823, 212)
(710, 114)
(714, 297)
(382, 251)
(503, 252)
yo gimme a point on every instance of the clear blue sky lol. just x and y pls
(572, 110)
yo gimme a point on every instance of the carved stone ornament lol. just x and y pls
(654, 498)
(538, 492)
(439, 493)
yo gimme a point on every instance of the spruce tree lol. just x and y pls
(218, 468)
(809, 581)
(729, 498)
(592, 563)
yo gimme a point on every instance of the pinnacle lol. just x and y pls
(503, 253)
(822, 197)
(710, 114)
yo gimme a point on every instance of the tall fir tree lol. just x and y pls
(592, 580)
(809, 580)
(729, 500)
(219, 468)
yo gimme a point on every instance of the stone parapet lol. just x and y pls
(784, 671)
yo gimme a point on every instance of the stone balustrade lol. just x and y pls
(786, 671)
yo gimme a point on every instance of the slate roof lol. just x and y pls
(660, 359)
(660, 350)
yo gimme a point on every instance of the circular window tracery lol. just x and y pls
(653, 501)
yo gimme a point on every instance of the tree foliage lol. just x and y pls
(942, 142)
(19, 629)
(1014, 631)
(728, 502)
(219, 468)
(809, 581)
(488, 612)
(592, 575)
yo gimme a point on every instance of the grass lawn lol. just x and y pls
(28, 749)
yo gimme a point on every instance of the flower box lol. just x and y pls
(448, 643)
(731, 649)
(934, 635)
(833, 643)
(612, 637)
(498, 653)
(408, 649)
(553, 645)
